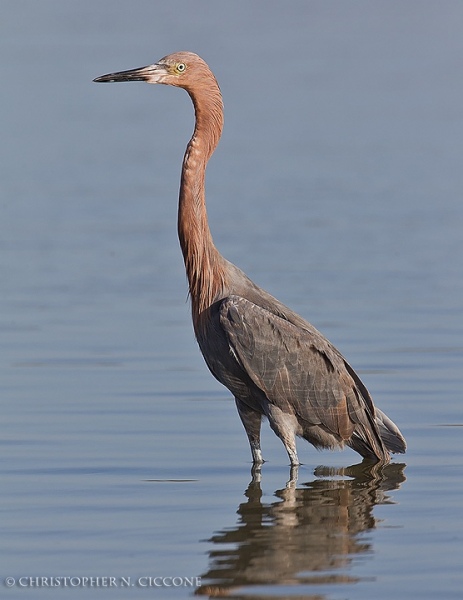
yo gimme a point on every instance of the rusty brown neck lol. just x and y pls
(204, 265)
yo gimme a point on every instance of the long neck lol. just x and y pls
(204, 265)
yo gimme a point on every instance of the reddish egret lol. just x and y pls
(274, 362)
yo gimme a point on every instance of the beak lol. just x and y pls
(151, 74)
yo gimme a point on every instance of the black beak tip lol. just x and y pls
(102, 79)
(131, 75)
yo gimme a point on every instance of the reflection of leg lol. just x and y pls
(251, 420)
(293, 475)
(256, 473)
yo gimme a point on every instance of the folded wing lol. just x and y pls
(301, 373)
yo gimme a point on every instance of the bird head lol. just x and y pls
(179, 69)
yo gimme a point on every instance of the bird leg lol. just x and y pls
(292, 453)
(251, 420)
(286, 427)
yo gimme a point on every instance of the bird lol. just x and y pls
(275, 363)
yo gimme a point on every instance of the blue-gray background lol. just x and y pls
(337, 186)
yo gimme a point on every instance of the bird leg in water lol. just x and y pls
(252, 421)
(286, 427)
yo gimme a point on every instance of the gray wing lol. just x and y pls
(298, 369)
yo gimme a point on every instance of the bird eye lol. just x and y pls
(181, 67)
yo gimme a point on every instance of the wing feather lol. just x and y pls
(298, 369)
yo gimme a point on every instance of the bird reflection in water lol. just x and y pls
(309, 535)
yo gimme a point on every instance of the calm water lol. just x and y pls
(338, 187)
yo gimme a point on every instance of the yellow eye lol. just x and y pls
(180, 67)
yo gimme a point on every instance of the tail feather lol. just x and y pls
(375, 435)
(390, 433)
(377, 438)
(365, 448)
